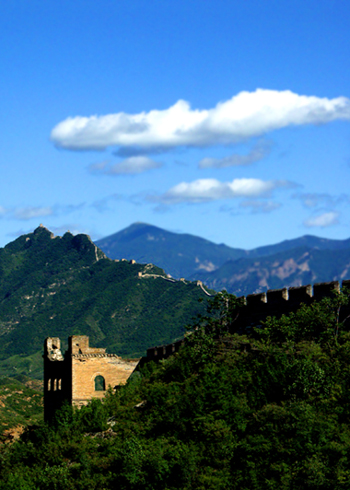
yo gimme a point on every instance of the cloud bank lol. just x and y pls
(205, 190)
(246, 115)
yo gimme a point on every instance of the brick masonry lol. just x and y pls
(83, 373)
(72, 377)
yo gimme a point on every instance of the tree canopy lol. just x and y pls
(265, 410)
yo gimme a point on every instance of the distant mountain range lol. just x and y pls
(182, 255)
(304, 260)
(61, 286)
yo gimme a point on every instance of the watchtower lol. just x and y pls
(83, 373)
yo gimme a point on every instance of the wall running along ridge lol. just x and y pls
(72, 377)
(257, 307)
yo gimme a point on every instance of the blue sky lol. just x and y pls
(225, 119)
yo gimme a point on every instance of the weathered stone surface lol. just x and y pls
(82, 374)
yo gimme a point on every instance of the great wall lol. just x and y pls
(85, 372)
(257, 307)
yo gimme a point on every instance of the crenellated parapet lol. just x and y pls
(278, 302)
(95, 354)
(163, 351)
(257, 307)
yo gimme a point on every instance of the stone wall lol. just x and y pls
(257, 307)
(86, 367)
(83, 373)
(74, 376)
(280, 302)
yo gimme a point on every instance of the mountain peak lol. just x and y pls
(179, 254)
(42, 229)
(191, 257)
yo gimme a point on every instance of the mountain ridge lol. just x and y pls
(144, 242)
(292, 268)
(62, 286)
(223, 267)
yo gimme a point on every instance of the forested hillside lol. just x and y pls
(21, 404)
(62, 286)
(267, 411)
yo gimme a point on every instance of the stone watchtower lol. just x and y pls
(81, 374)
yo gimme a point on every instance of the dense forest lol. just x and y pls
(265, 410)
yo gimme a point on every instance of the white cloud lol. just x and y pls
(133, 165)
(258, 152)
(32, 212)
(3, 211)
(322, 220)
(246, 115)
(204, 190)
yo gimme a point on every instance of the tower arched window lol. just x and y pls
(100, 384)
